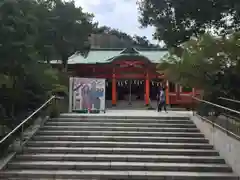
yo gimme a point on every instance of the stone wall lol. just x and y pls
(228, 147)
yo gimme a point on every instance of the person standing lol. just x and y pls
(161, 100)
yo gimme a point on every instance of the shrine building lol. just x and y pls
(131, 76)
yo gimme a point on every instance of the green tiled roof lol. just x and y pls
(154, 56)
(107, 55)
(94, 56)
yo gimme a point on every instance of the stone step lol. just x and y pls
(136, 151)
(121, 133)
(120, 138)
(145, 129)
(98, 147)
(130, 121)
(122, 166)
(116, 175)
(45, 179)
(121, 158)
(113, 144)
(112, 124)
(99, 116)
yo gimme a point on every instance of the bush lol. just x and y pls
(83, 111)
(54, 110)
(95, 111)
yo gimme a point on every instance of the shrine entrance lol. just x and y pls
(130, 92)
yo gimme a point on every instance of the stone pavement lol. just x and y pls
(137, 113)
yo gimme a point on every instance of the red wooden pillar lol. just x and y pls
(193, 92)
(167, 92)
(114, 89)
(178, 92)
(147, 89)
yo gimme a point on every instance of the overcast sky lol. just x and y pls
(120, 14)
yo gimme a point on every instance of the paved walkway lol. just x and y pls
(142, 113)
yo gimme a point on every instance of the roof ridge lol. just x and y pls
(102, 56)
(107, 49)
(135, 48)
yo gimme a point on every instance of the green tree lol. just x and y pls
(209, 63)
(71, 29)
(27, 32)
(176, 21)
(17, 39)
(44, 42)
(123, 39)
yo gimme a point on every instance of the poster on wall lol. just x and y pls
(87, 93)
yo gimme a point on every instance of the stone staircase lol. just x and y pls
(94, 148)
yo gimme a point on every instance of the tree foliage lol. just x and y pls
(209, 63)
(71, 28)
(32, 32)
(123, 39)
(63, 30)
(176, 21)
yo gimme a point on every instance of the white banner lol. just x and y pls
(87, 93)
